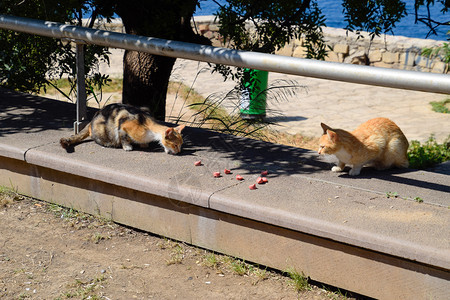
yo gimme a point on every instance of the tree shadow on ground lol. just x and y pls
(251, 155)
(20, 112)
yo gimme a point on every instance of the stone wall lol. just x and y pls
(396, 52)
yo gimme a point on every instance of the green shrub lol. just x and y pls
(428, 154)
(441, 106)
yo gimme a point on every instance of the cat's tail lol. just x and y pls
(68, 143)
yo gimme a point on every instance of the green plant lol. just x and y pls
(209, 109)
(428, 154)
(299, 280)
(210, 260)
(7, 196)
(78, 219)
(418, 199)
(63, 212)
(337, 294)
(97, 237)
(212, 114)
(176, 256)
(239, 267)
(262, 274)
(392, 195)
(28, 62)
(443, 52)
(441, 106)
(85, 290)
(223, 264)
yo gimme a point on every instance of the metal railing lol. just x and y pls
(402, 79)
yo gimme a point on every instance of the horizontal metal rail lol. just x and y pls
(402, 79)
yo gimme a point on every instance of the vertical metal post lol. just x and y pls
(81, 89)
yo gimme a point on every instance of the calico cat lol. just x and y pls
(378, 142)
(120, 125)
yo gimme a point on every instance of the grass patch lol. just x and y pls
(184, 92)
(418, 199)
(392, 195)
(67, 90)
(428, 154)
(227, 264)
(210, 260)
(8, 196)
(85, 289)
(63, 84)
(97, 237)
(64, 213)
(441, 106)
(299, 280)
(239, 267)
(79, 220)
(176, 255)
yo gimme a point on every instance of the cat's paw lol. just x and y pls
(127, 147)
(354, 171)
(336, 169)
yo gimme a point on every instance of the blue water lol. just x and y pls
(332, 9)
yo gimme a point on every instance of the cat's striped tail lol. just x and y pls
(68, 143)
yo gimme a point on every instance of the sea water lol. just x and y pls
(332, 9)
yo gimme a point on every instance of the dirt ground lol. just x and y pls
(49, 252)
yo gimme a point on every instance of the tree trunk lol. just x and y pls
(146, 76)
(145, 81)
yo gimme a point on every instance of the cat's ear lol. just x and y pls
(325, 128)
(333, 136)
(180, 128)
(169, 131)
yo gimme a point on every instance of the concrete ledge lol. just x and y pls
(12, 152)
(112, 176)
(344, 265)
(338, 230)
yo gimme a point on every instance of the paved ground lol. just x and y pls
(339, 104)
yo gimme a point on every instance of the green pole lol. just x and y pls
(253, 94)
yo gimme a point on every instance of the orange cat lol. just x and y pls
(378, 142)
(120, 125)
